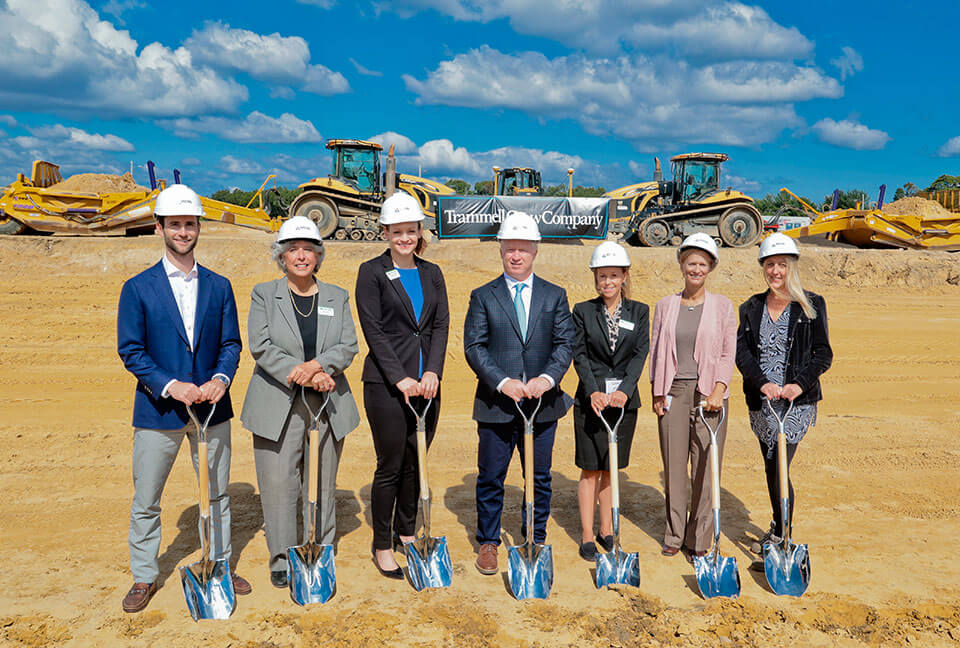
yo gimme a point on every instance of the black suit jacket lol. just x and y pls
(393, 334)
(494, 349)
(592, 357)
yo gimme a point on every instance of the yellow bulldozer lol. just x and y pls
(522, 181)
(662, 212)
(346, 203)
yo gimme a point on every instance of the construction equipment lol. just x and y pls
(716, 575)
(34, 205)
(522, 181)
(531, 564)
(665, 212)
(311, 571)
(787, 565)
(616, 567)
(949, 198)
(428, 558)
(877, 228)
(346, 203)
(207, 585)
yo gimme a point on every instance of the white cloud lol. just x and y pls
(404, 145)
(256, 127)
(284, 60)
(365, 71)
(117, 8)
(441, 154)
(191, 161)
(60, 55)
(638, 170)
(634, 97)
(323, 4)
(282, 92)
(848, 63)
(850, 134)
(8, 120)
(951, 148)
(232, 164)
(81, 138)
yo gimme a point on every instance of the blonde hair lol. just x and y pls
(624, 287)
(690, 250)
(794, 286)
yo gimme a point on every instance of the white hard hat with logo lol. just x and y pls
(519, 225)
(299, 228)
(401, 207)
(700, 241)
(775, 244)
(178, 200)
(609, 254)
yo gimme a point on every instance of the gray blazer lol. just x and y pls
(276, 346)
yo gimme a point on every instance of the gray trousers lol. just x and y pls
(282, 469)
(154, 452)
(685, 441)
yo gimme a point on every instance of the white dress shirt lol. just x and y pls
(184, 287)
(526, 295)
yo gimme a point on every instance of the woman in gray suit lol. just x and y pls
(302, 338)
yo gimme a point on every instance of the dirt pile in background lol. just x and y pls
(915, 206)
(99, 183)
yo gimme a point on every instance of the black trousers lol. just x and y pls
(396, 484)
(773, 483)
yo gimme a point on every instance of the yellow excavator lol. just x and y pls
(662, 212)
(346, 203)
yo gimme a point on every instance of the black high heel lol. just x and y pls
(389, 573)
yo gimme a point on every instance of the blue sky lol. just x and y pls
(812, 95)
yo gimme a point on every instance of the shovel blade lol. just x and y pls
(531, 571)
(787, 567)
(618, 568)
(717, 576)
(208, 588)
(311, 573)
(428, 562)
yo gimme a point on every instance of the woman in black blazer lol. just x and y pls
(402, 307)
(612, 340)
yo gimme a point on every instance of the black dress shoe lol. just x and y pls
(396, 573)
(397, 542)
(605, 541)
(279, 579)
(588, 551)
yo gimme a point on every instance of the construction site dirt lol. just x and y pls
(878, 498)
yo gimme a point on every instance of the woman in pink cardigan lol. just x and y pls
(692, 351)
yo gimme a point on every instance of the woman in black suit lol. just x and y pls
(402, 307)
(612, 340)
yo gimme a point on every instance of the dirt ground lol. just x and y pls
(877, 481)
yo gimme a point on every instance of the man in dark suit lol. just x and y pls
(518, 339)
(177, 333)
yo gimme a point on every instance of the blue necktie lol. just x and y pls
(521, 310)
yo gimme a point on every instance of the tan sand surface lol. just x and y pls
(877, 479)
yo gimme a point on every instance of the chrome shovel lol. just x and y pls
(311, 572)
(787, 565)
(716, 575)
(428, 558)
(207, 585)
(616, 567)
(531, 565)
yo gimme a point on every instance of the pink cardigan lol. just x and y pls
(714, 350)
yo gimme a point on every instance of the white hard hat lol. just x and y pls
(609, 254)
(299, 228)
(401, 207)
(519, 225)
(178, 200)
(700, 241)
(777, 243)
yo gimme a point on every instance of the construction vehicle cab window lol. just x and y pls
(361, 165)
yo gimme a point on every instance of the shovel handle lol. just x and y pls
(203, 477)
(714, 454)
(421, 418)
(614, 458)
(783, 470)
(528, 465)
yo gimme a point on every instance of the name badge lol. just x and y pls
(326, 311)
(613, 385)
(393, 274)
(624, 324)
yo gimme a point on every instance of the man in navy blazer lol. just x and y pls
(518, 339)
(177, 333)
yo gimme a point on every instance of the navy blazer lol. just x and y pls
(494, 349)
(153, 344)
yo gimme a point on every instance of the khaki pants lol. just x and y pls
(685, 440)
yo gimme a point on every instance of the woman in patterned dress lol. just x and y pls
(782, 349)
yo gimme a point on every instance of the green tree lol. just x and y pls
(276, 201)
(773, 203)
(461, 187)
(945, 182)
(849, 199)
(483, 188)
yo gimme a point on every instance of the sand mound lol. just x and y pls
(99, 183)
(914, 206)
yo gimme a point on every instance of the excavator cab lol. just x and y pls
(358, 163)
(517, 181)
(695, 176)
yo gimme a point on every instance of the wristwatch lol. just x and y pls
(223, 379)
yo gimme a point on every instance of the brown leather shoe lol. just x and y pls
(667, 550)
(487, 559)
(138, 596)
(240, 584)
